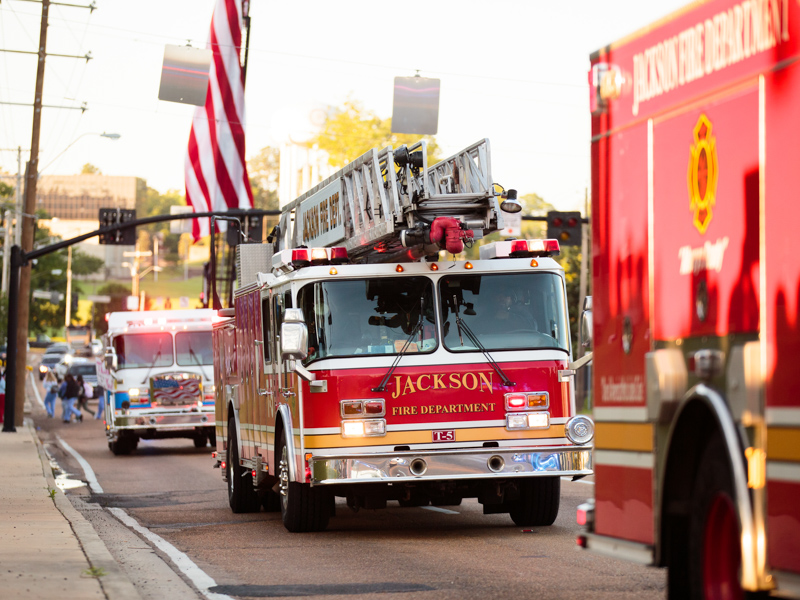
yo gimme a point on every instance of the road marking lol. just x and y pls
(87, 469)
(441, 510)
(35, 390)
(199, 578)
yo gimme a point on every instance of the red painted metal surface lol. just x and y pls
(624, 500)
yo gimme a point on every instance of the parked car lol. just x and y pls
(49, 362)
(40, 341)
(55, 355)
(86, 368)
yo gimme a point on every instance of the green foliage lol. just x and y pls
(152, 203)
(352, 130)
(6, 191)
(90, 169)
(264, 170)
(45, 315)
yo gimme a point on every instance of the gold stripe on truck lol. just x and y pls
(635, 437)
(783, 444)
(425, 436)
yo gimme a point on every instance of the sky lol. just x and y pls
(513, 71)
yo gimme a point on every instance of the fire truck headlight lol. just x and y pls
(539, 420)
(133, 392)
(519, 421)
(363, 428)
(579, 430)
(529, 420)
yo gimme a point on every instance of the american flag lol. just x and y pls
(216, 172)
(174, 392)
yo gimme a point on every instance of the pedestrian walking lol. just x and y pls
(2, 396)
(69, 397)
(84, 393)
(101, 401)
(51, 393)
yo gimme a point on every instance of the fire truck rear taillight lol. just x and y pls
(538, 400)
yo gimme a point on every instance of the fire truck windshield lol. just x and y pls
(511, 311)
(194, 348)
(141, 350)
(360, 316)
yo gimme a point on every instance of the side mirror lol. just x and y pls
(294, 335)
(586, 323)
(110, 360)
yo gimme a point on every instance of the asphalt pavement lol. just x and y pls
(47, 549)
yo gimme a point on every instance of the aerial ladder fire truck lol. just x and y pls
(357, 362)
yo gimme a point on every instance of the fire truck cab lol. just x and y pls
(363, 373)
(157, 377)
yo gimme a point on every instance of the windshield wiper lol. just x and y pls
(197, 360)
(417, 329)
(153, 364)
(474, 339)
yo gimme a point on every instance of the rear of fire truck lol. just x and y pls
(156, 372)
(696, 285)
(352, 371)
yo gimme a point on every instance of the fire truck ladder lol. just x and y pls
(390, 198)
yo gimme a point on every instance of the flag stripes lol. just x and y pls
(216, 171)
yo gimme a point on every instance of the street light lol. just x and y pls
(111, 136)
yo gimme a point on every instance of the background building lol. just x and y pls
(73, 202)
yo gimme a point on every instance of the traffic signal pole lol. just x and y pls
(15, 369)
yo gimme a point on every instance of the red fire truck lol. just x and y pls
(696, 268)
(355, 363)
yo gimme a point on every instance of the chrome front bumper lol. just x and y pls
(174, 419)
(483, 463)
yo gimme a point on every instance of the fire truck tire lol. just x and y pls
(415, 498)
(539, 499)
(303, 508)
(200, 441)
(123, 445)
(714, 535)
(212, 438)
(242, 498)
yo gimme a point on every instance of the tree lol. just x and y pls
(90, 169)
(151, 203)
(264, 170)
(118, 293)
(352, 130)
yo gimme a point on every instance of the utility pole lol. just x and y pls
(26, 219)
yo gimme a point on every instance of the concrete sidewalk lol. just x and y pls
(47, 549)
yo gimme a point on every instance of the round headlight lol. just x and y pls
(579, 430)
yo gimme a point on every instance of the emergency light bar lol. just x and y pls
(293, 259)
(519, 249)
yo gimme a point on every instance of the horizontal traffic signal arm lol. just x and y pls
(234, 212)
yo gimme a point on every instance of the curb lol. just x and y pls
(115, 583)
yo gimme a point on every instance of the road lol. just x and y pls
(170, 488)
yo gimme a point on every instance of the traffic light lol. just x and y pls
(116, 216)
(566, 227)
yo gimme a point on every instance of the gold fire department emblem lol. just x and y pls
(702, 176)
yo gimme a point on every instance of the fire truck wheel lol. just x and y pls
(123, 445)
(539, 498)
(241, 495)
(212, 438)
(303, 508)
(200, 441)
(714, 535)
